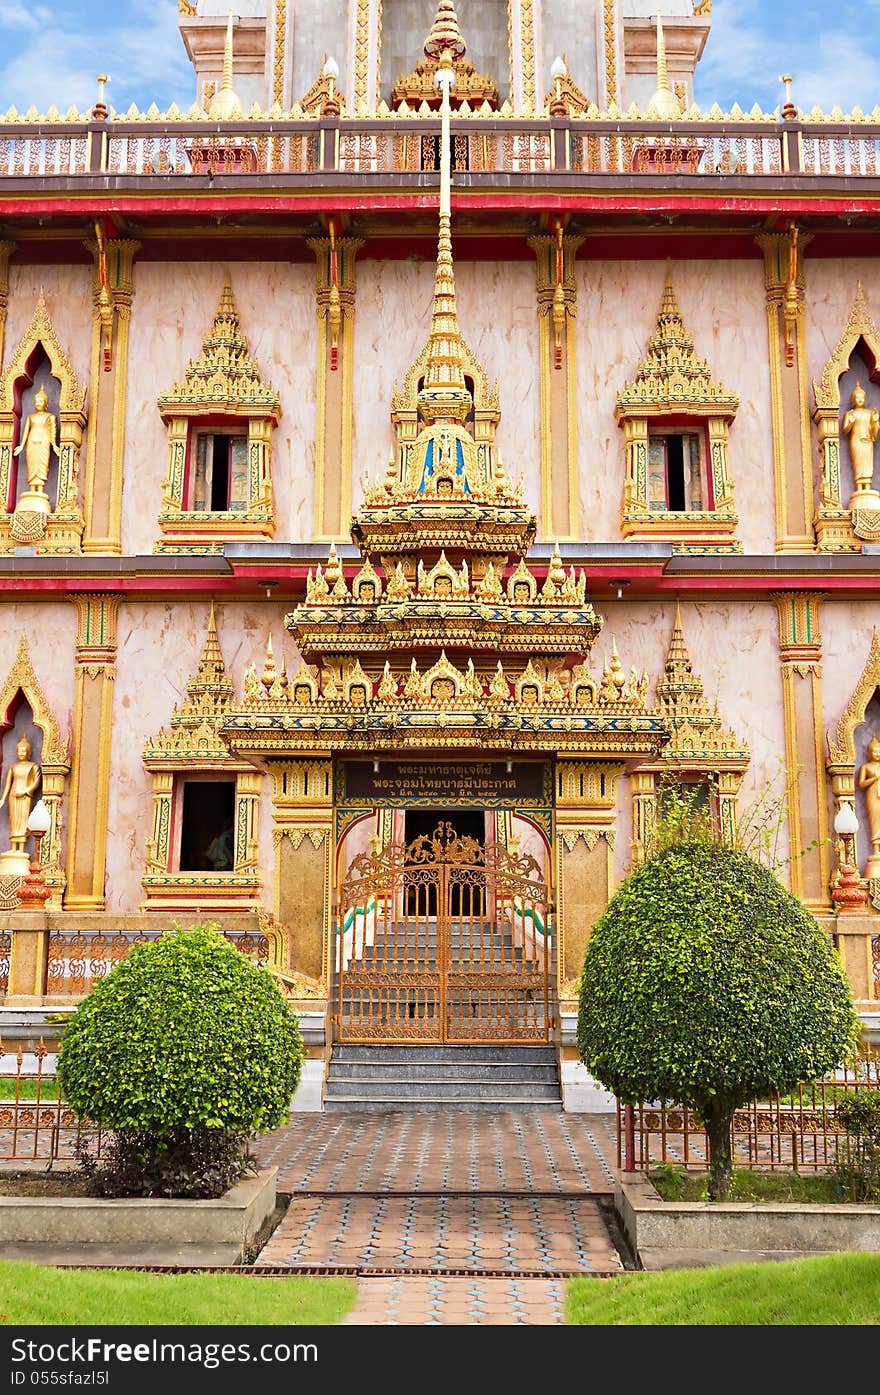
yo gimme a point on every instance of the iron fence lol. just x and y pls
(796, 1132)
(36, 1125)
(76, 961)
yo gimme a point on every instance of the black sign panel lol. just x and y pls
(444, 782)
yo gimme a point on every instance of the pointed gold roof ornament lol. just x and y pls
(223, 377)
(225, 105)
(664, 105)
(419, 86)
(444, 396)
(445, 34)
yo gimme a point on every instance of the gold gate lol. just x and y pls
(444, 941)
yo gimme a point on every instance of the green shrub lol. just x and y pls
(858, 1165)
(185, 1046)
(708, 984)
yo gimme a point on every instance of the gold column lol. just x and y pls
(247, 820)
(586, 794)
(784, 282)
(643, 787)
(302, 834)
(800, 653)
(29, 957)
(523, 55)
(557, 311)
(6, 251)
(366, 55)
(90, 773)
(611, 70)
(336, 282)
(106, 438)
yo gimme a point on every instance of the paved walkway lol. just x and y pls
(447, 1218)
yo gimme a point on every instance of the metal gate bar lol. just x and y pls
(444, 941)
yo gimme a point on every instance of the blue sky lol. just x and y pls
(50, 54)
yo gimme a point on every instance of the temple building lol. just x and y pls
(418, 457)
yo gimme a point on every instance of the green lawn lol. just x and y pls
(831, 1290)
(34, 1293)
(27, 1088)
(674, 1184)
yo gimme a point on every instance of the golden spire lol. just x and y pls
(664, 104)
(225, 106)
(444, 396)
(209, 689)
(445, 34)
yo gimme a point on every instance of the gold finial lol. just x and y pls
(789, 110)
(444, 396)
(445, 34)
(664, 104)
(99, 110)
(225, 106)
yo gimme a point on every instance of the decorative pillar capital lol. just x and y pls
(800, 632)
(96, 617)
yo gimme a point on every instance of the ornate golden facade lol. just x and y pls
(479, 598)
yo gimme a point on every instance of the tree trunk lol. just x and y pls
(718, 1118)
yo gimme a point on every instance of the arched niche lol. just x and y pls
(24, 710)
(843, 526)
(40, 361)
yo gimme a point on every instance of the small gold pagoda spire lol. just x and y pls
(225, 105)
(664, 104)
(445, 34)
(444, 396)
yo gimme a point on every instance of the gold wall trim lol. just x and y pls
(557, 313)
(335, 305)
(105, 446)
(609, 31)
(279, 53)
(6, 251)
(95, 672)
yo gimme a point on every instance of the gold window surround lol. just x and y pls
(672, 385)
(60, 531)
(700, 748)
(190, 748)
(54, 762)
(486, 413)
(219, 389)
(840, 528)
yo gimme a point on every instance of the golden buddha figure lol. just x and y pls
(869, 781)
(21, 784)
(862, 425)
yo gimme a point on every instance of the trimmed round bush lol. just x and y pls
(708, 984)
(185, 1049)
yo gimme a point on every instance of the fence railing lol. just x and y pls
(76, 961)
(796, 1132)
(36, 1125)
(160, 148)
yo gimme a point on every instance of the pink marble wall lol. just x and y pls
(723, 307)
(498, 318)
(734, 651)
(161, 644)
(172, 311)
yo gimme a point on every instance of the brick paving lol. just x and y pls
(447, 1218)
(451, 1150)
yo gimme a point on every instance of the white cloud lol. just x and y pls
(144, 56)
(749, 47)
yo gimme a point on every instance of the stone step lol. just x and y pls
(427, 1054)
(448, 1088)
(357, 1104)
(487, 1072)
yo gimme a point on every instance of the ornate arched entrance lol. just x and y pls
(444, 939)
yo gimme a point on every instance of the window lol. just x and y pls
(676, 473)
(220, 477)
(207, 826)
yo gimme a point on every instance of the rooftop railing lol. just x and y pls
(157, 147)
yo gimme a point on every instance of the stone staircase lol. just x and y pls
(405, 1077)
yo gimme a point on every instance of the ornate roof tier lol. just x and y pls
(224, 378)
(445, 606)
(524, 707)
(419, 86)
(193, 733)
(670, 378)
(698, 734)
